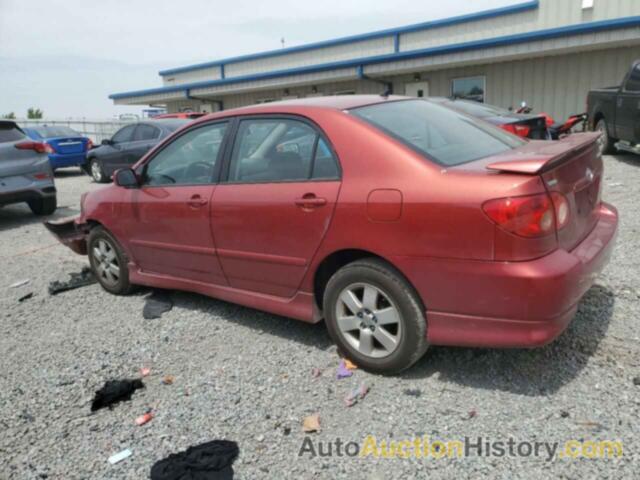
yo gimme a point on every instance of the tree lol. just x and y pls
(34, 113)
(9, 116)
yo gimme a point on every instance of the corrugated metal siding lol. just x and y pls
(336, 53)
(550, 14)
(205, 74)
(601, 40)
(149, 99)
(557, 85)
(282, 82)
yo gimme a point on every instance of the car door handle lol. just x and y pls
(197, 201)
(310, 201)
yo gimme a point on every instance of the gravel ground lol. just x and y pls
(246, 376)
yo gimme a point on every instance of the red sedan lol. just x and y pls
(400, 222)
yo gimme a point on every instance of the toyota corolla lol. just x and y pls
(398, 221)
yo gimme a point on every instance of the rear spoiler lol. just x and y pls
(545, 158)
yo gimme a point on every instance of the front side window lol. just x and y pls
(633, 83)
(279, 150)
(123, 135)
(439, 133)
(190, 159)
(468, 88)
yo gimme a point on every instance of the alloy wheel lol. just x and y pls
(106, 262)
(96, 171)
(368, 320)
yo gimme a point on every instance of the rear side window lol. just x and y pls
(124, 134)
(633, 83)
(9, 132)
(280, 150)
(447, 137)
(145, 132)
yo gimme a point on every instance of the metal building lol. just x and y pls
(548, 53)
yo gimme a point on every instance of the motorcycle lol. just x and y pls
(555, 131)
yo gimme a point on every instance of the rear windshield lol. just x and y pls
(9, 132)
(439, 133)
(50, 132)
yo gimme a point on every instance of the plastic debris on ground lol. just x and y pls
(316, 372)
(168, 380)
(21, 283)
(25, 297)
(146, 418)
(311, 423)
(343, 371)
(118, 457)
(156, 304)
(115, 391)
(145, 371)
(350, 365)
(76, 280)
(211, 461)
(356, 395)
(413, 392)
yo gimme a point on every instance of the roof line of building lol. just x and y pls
(482, 15)
(578, 29)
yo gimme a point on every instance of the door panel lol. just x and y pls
(267, 234)
(170, 234)
(169, 217)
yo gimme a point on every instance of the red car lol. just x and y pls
(400, 222)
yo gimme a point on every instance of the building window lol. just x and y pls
(345, 92)
(469, 88)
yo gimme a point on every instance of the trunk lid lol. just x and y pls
(572, 167)
(68, 145)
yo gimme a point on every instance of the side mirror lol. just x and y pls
(107, 141)
(126, 178)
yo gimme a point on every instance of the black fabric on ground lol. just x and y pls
(208, 461)
(115, 391)
(156, 304)
(76, 280)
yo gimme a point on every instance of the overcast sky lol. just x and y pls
(67, 56)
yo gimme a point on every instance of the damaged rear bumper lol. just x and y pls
(71, 232)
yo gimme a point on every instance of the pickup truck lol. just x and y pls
(615, 113)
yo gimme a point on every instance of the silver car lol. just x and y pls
(25, 172)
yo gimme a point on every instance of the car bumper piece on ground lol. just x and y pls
(70, 232)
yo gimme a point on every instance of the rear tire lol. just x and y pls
(605, 142)
(43, 206)
(96, 171)
(375, 317)
(109, 262)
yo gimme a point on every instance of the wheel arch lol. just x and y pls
(340, 258)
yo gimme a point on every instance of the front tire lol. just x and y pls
(43, 206)
(109, 262)
(605, 142)
(96, 171)
(375, 317)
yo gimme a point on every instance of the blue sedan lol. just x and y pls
(69, 147)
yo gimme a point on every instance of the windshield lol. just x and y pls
(439, 133)
(50, 132)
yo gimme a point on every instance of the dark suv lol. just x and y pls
(25, 172)
(127, 146)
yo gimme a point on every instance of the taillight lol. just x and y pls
(520, 130)
(561, 206)
(89, 144)
(530, 216)
(39, 147)
(41, 176)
